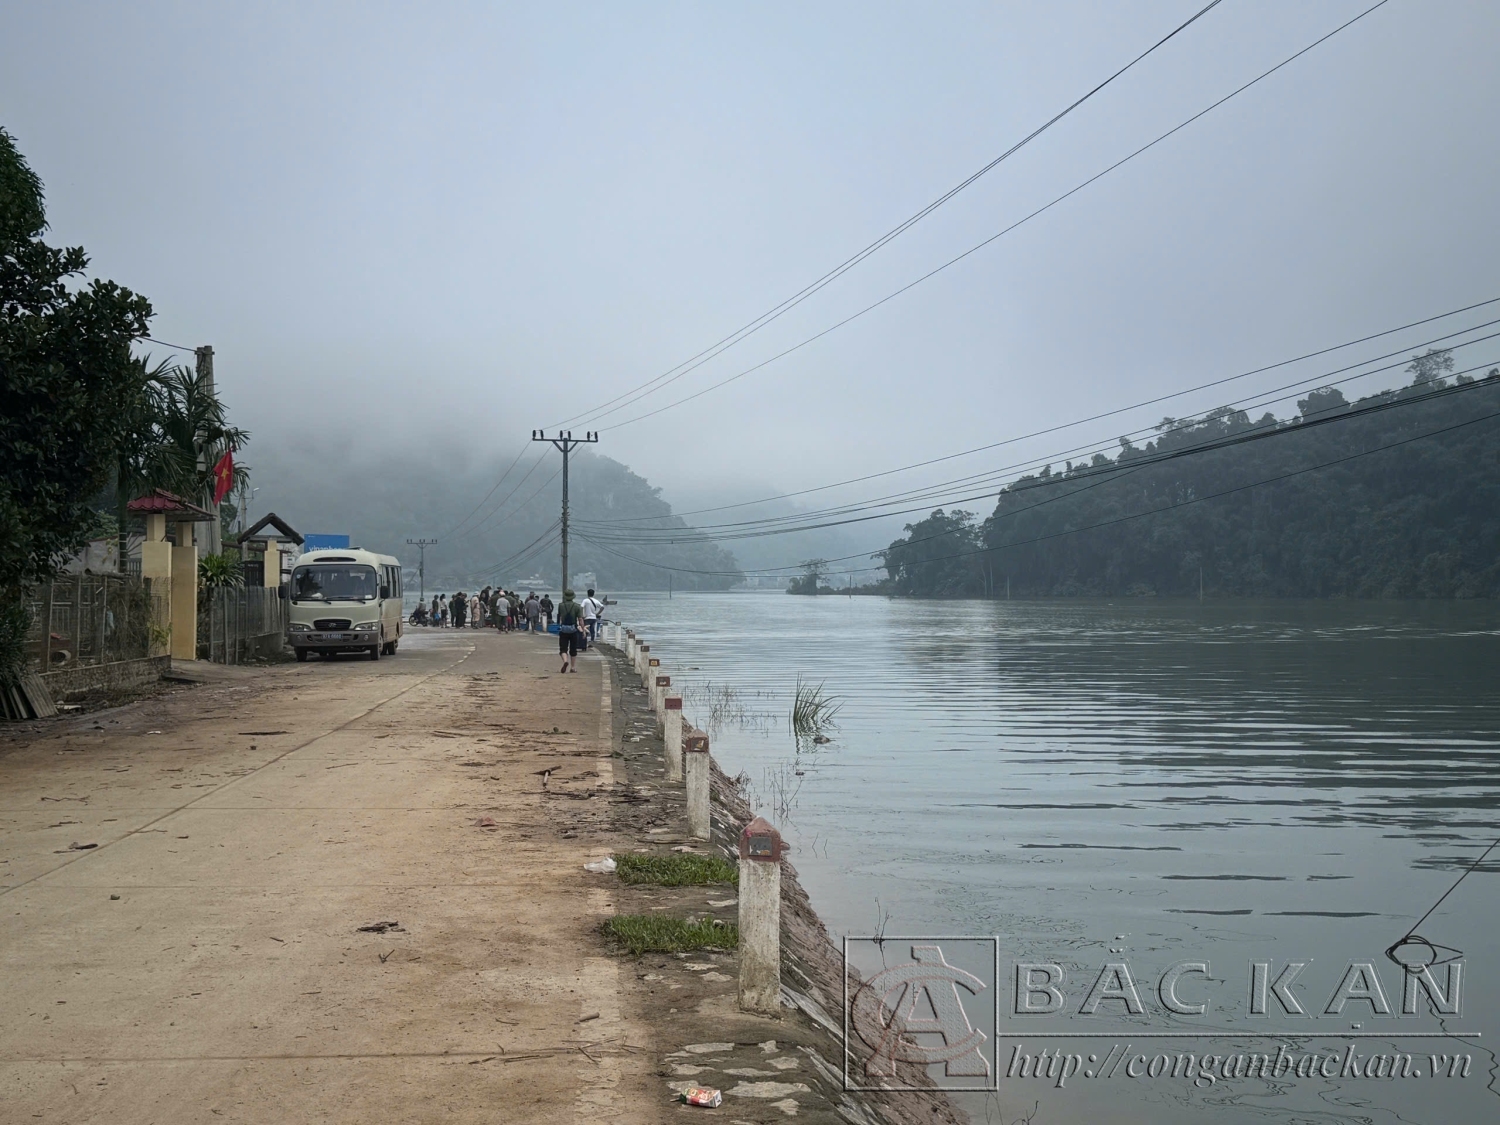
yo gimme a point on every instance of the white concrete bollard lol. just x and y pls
(672, 732)
(659, 694)
(760, 918)
(696, 760)
(648, 677)
(642, 654)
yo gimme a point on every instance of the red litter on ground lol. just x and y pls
(704, 1096)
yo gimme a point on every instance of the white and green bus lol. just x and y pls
(344, 600)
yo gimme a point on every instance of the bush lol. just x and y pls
(222, 569)
(15, 622)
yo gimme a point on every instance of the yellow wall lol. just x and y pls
(184, 599)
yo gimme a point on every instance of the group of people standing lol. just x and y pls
(505, 610)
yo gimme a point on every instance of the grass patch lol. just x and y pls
(651, 933)
(680, 869)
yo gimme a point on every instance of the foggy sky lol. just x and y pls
(446, 225)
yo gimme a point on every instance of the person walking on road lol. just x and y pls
(457, 607)
(593, 610)
(533, 611)
(547, 611)
(569, 631)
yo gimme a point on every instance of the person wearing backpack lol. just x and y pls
(569, 626)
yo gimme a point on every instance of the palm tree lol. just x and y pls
(178, 430)
(195, 434)
(135, 457)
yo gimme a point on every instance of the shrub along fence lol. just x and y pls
(88, 632)
(86, 619)
(237, 623)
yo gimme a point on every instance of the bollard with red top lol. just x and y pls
(760, 917)
(659, 693)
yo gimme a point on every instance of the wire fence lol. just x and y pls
(97, 619)
(239, 622)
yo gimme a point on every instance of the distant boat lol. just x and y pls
(535, 582)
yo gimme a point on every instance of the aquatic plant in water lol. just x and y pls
(813, 710)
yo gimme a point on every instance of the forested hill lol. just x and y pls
(386, 499)
(1339, 501)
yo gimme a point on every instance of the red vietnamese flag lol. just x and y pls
(223, 476)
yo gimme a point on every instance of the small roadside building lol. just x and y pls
(267, 549)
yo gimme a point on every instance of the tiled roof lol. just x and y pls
(271, 520)
(161, 502)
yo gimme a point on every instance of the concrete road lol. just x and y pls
(183, 882)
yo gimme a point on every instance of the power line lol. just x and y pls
(1086, 527)
(938, 490)
(1105, 414)
(1147, 462)
(163, 343)
(671, 375)
(979, 246)
(532, 548)
(519, 454)
(485, 522)
(1112, 470)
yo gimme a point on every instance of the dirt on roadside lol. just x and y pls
(346, 891)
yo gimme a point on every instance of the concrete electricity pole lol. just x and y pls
(421, 545)
(565, 442)
(203, 362)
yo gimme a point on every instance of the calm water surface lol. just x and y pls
(1139, 781)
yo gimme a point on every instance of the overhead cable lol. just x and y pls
(671, 375)
(981, 245)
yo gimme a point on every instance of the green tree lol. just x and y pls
(66, 377)
(191, 432)
(938, 558)
(810, 579)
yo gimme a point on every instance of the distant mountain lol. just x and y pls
(383, 499)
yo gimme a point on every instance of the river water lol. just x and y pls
(1141, 782)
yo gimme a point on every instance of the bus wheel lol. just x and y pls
(374, 652)
(301, 656)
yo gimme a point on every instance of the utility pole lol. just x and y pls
(203, 363)
(421, 545)
(565, 443)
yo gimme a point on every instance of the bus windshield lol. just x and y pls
(328, 582)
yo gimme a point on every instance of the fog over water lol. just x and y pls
(447, 225)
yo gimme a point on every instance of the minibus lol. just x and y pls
(344, 600)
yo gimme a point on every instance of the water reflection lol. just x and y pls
(1241, 781)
